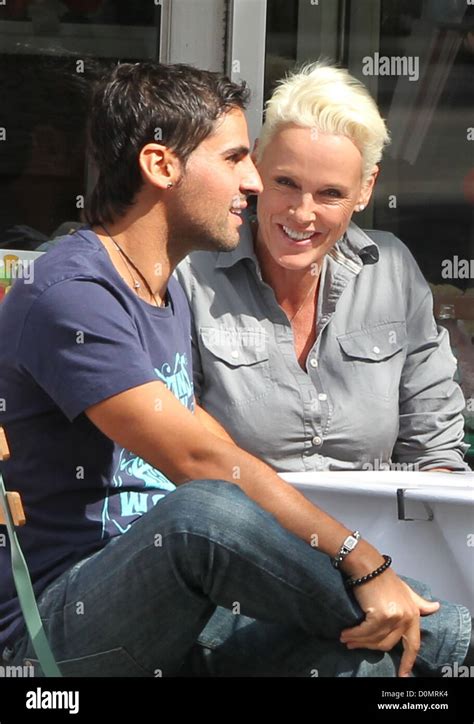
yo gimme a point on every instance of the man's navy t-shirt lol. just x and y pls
(72, 338)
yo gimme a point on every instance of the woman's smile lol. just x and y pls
(298, 238)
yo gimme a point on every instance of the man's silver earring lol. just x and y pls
(170, 185)
(291, 211)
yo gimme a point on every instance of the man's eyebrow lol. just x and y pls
(236, 151)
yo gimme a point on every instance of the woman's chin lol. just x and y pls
(301, 262)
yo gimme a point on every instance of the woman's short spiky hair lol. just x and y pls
(331, 100)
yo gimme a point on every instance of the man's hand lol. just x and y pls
(393, 612)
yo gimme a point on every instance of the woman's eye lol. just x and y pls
(284, 181)
(333, 193)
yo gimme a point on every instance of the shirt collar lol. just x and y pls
(356, 242)
(356, 246)
(244, 250)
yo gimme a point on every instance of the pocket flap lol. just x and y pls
(236, 346)
(375, 343)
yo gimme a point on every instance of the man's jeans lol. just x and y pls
(207, 583)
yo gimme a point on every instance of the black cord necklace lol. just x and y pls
(131, 263)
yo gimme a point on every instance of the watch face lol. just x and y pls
(350, 542)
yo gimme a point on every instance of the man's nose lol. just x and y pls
(251, 182)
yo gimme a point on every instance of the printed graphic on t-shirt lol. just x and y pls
(176, 378)
(120, 511)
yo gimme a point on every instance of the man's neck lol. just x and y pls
(144, 240)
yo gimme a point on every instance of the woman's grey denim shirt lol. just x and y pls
(378, 387)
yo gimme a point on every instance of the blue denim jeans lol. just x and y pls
(209, 584)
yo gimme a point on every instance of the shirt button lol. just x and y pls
(376, 350)
(322, 396)
(234, 354)
(313, 362)
(317, 440)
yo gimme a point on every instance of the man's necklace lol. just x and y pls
(130, 263)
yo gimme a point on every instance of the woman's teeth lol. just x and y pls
(298, 235)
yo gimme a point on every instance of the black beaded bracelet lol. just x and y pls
(351, 582)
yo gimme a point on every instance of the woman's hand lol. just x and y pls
(393, 612)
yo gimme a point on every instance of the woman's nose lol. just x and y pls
(306, 210)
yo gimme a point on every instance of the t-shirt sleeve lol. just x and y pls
(81, 346)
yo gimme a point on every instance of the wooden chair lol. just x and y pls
(12, 515)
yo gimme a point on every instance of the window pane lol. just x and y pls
(50, 52)
(417, 59)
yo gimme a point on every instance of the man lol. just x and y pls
(100, 417)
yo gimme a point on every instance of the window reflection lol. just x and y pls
(49, 53)
(425, 194)
(417, 59)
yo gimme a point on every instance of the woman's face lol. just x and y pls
(311, 185)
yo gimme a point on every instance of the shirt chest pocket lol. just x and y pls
(235, 364)
(374, 357)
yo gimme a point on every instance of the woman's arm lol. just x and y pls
(431, 426)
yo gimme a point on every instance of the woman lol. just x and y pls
(315, 343)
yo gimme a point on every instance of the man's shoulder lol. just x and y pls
(48, 281)
(74, 256)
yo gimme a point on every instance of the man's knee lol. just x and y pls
(212, 508)
(204, 500)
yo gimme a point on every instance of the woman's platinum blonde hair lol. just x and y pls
(332, 101)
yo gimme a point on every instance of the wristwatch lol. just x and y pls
(348, 545)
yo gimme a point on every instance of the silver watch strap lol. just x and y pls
(347, 547)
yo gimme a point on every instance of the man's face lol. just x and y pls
(205, 211)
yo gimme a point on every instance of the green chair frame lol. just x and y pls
(12, 515)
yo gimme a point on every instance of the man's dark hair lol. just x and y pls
(135, 104)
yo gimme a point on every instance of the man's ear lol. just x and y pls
(160, 167)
